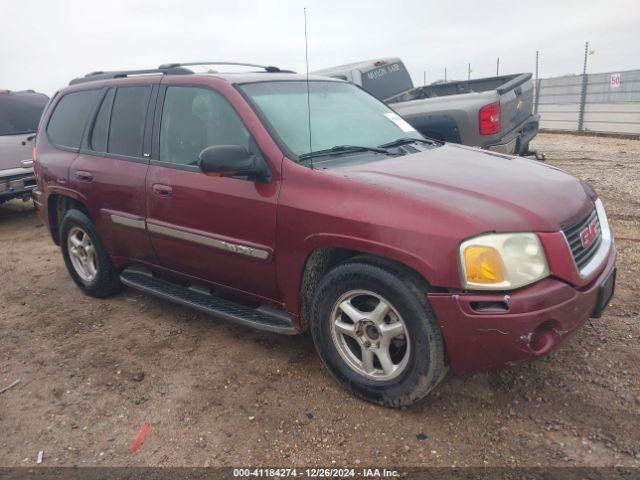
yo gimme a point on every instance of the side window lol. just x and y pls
(100, 132)
(196, 118)
(69, 118)
(128, 114)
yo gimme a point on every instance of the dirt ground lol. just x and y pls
(93, 371)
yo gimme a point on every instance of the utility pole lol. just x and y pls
(424, 77)
(498, 67)
(445, 74)
(469, 74)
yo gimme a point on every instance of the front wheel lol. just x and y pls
(375, 331)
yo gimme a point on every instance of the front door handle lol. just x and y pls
(84, 176)
(162, 190)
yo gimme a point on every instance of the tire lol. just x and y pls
(101, 279)
(418, 359)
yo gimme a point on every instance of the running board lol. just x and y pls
(262, 318)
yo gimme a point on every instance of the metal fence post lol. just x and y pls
(583, 90)
(537, 85)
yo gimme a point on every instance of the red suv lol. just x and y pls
(289, 204)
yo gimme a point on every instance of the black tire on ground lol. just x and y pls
(406, 292)
(107, 279)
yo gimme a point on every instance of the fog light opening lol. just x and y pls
(543, 339)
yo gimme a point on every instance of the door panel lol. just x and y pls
(116, 191)
(215, 228)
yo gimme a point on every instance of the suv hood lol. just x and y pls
(491, 191)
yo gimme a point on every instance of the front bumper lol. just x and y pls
(517, 141)
(486, 331)
(17, 185)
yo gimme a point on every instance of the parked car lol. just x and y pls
(493, 113)
(19, 116)
(403, 256)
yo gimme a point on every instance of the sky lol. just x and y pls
(44, 44)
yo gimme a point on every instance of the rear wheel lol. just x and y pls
(376, 333)
(85, 257)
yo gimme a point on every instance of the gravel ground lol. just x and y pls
(93, 371)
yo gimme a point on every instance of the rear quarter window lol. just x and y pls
(69, 118)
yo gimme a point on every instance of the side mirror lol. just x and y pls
(231, 161)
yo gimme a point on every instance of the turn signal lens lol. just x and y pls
(483, 265)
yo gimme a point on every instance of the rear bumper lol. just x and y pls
(514, 327)
(17, 185)
(516, 141)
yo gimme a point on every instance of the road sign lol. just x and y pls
(615, 80)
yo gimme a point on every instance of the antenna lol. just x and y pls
(306, 57)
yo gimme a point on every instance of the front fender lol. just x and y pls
(291, 274)
(363, 245)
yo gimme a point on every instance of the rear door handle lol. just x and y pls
(162, 190)
(84, 176)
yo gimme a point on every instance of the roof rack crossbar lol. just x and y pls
(268, 68)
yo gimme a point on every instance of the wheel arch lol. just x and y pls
(57, 206)
(326, 252)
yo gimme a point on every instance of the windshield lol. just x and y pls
(20, 113)
(341, 114)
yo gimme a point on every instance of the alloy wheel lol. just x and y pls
(370, 335)
(82, 254)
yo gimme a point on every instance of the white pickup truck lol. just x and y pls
(493, 113)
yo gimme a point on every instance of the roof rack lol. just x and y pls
(270, 69)
(95, 76)
(167, 69)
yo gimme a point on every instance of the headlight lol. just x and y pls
(502, 261)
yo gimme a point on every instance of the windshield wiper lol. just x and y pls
(340, 149)
(406, 140)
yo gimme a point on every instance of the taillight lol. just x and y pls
(36, 167)
(490, 119)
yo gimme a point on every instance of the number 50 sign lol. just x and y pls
(615, 80)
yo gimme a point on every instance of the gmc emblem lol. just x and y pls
(589, 234)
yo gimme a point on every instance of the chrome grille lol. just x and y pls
(580, 254)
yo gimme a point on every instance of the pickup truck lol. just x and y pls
(19, 116)
(493, 113)
(404, 257)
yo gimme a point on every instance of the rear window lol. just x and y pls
(387, 80)
(20, 112)
(69, 118)
(127, 121)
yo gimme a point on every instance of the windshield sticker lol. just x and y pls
(400, 122)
